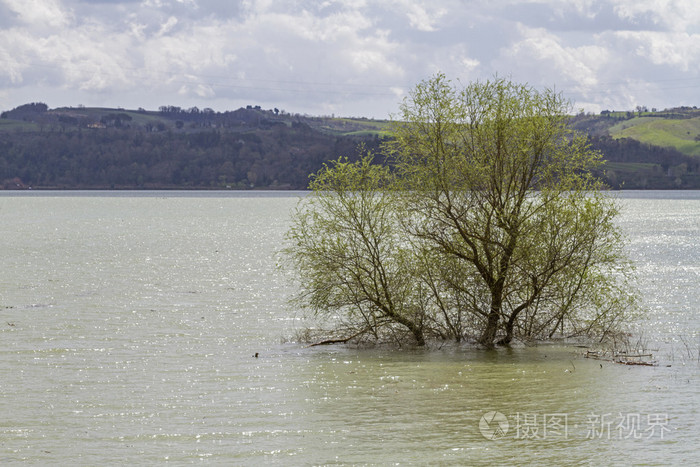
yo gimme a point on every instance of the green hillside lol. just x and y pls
(352, 126)
(677, 128)
(681, 134)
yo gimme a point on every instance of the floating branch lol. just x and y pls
(621, 358)
(338, 341)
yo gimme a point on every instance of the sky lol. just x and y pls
(350, 58)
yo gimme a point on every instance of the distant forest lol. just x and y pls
(249, 148)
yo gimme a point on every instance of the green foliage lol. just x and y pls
(490, 225)
(349, 252)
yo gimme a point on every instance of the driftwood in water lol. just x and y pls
(628, 362)
(342, 340)
(621, 358)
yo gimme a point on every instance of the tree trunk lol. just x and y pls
(417, 331)
(514, 314)
(509, 331)
(418, 334)
(415, 328)
(489, 334)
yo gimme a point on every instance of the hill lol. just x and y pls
(673, 128)
(97, 148)
(254, 148)
(647, 150)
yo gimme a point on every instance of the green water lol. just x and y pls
(128, 324)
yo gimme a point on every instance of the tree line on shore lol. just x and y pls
(249, 148)
(115, 153)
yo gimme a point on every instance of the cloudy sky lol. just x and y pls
(342, 57)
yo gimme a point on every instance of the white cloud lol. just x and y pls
(40, 13)
(678, 50)
(422, 15)
(546, 58)
(675, 15)
(167, 26)
(470, 64)
(347, 56)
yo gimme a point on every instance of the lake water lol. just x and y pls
(129, 321)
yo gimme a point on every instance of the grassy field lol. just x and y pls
(677, 133)
(15, 125)
(354, 126)
(629, 166)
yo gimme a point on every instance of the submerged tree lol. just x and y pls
(489, 225)
(349, 252)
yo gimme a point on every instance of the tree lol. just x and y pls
(350, 254)
(489, 225)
